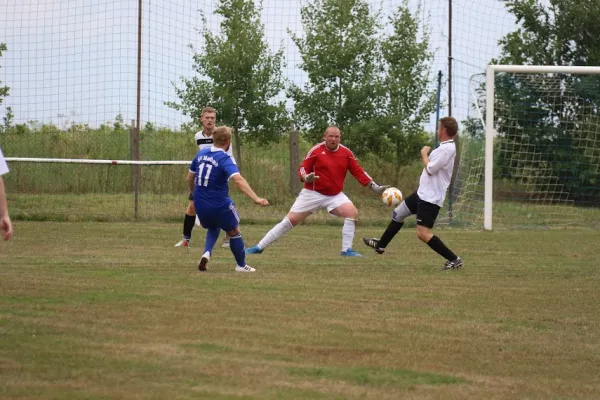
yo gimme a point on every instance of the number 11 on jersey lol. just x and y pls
(200, 170)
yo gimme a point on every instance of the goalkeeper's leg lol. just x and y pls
(307, 202)
(291, 220)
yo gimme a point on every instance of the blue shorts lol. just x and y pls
(226, 218)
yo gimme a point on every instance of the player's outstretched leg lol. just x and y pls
(379, 245)
(398, 216)
(236, 244)
(274, 234)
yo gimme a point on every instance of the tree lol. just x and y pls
(563, 32)
(410, 98)
(238, 76)
(4, 92)
(340, 56)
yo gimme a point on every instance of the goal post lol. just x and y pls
(569, 109)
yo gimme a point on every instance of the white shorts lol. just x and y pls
(309, 200)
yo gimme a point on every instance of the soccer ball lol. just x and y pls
(391, 197)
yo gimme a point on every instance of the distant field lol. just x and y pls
(70, 192)
(113, 311)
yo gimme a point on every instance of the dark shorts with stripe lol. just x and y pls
(426, 212)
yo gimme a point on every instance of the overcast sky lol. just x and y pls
(76, 60)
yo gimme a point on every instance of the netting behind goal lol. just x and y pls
(546, 157)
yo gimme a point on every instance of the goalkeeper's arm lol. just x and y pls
(379, 189)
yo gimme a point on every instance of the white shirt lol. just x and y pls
(207, 141)
(3, 166)
(435, 178)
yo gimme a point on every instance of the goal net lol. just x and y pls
(541, 167)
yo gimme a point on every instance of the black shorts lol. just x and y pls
(426, 212)
(191, 197)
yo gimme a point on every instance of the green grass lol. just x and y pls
(114, 311)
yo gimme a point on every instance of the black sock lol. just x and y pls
(439, 247)
(391, 230)
(188, 225)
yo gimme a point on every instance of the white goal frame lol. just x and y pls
(490, 132)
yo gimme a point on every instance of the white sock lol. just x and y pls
(275, 233)
(348, 233)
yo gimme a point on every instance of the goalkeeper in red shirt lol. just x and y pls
(323, 172)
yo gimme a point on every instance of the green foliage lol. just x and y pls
(238, 76)
(564, 32)
(410, 100)
(119, 124)
(373, 85)
(4, 91)
(7, 120)
(473, 128)
(149, 127)
(340, 55)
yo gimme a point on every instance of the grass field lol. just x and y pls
(113, 311)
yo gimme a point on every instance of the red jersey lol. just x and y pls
(331, 168)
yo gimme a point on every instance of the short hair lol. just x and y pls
(208, 110)
(334, 127)
(450, 124)
(221, 134)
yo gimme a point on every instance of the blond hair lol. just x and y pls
(208, 110)
(221, 135)
(450, 124)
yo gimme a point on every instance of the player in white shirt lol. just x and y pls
(429, 197)
(5, 224)
(203, 139)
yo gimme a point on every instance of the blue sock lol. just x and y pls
(236, 244)
(212, 234)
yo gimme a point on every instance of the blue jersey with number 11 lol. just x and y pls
(213, 167)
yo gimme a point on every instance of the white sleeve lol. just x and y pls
(3, 166)
(230, 152)
(439, 160)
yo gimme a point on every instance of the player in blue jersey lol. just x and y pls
(203, 139)
(208, 178)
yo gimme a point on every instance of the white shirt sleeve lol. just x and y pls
(439, 159)
(3, 165)
(230, 152)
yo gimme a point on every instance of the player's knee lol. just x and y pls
(294, 219)
(397, 217)
(348, 211)
(353, 214)
(423, 233)
(400, 213)
(233, 232)
(191, 210)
